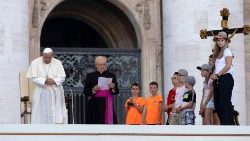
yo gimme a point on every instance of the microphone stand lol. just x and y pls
(72, 106)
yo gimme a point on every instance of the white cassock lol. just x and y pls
(48, 103)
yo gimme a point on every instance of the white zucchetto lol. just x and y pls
(47, 50)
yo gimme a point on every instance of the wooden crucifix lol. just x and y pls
(224, 24)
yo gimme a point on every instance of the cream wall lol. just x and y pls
(183, 47)
(13, 56)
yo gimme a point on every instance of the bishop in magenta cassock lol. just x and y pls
(100, 108)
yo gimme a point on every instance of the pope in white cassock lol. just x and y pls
(48, 103)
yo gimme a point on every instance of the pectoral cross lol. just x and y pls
(224, 24)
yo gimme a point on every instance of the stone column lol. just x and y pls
(152, 46)
(13, 56)
(247, 58)
(183, 47)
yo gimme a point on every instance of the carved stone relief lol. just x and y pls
(142, 7)
(138, 7)
(35, 12)
(35, 17)
(146, 16)
(43, 7)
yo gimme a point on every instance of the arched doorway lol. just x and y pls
(78, 31)
(102, 16)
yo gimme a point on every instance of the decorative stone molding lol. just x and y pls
(43, 7)
(146, 16)
(35, 17)
(145, 11)
(138, 7)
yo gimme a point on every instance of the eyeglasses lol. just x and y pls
(101, 64)
(173, 78)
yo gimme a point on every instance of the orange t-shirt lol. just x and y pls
(133, 115)
(153, 109)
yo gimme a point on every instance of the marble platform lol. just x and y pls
(18, 132)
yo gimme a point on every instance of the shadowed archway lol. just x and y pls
(108, 22)
(78, 31)
(68, 32)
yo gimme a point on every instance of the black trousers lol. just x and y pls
(223, 88)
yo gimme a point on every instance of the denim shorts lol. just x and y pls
(210, 104)
(187, 118)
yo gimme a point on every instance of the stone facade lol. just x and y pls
(246, 7)
(143, 14)
(14, 56)
(20, 37)
(20, 33)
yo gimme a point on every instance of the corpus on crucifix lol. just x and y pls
(224, 24)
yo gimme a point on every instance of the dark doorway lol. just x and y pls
(68, 32)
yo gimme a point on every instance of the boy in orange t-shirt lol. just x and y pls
(134, 106)
(153, 106)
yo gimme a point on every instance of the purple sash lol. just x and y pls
(109, 105)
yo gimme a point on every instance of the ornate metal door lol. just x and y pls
(125, 63)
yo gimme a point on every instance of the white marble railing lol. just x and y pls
(122, 133)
